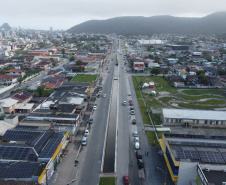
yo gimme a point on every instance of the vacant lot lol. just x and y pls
(84, 78)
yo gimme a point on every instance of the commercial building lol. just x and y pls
(138, 66)
(190, 117)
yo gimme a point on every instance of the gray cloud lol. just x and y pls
(63, 14)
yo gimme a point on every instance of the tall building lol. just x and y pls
(51, 29)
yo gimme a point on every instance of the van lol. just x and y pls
(84, 141)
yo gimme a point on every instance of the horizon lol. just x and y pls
(46, 29)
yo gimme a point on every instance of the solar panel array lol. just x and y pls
(17, 153)
(205, 154)
(42, 141)
(51, 147)
(18, 170)
(17, 134)
(211, 157)
(26, 127)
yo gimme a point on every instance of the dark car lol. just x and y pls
(126, 179)
(90, 121)
(139, 154)
(131, 108)
(140, 163)
(134, 122)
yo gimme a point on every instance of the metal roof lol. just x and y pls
(194, 114)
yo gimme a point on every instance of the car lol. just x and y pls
(134, 122)
(104, 95)
(136, 139)
(130, 102)
(140, 163)
(135, 134)
(124, 103)
(86, 133)
(84, 141)
(139, 154)
(94, 107)
(132, 112)
(137, 145)
(90, 121)
(131, 108)
(126, 179)
(129, 94)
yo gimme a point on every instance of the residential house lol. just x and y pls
(16, 72)
(9, 105)
(7, 79)
(22, 96)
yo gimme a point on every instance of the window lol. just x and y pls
(167, 120)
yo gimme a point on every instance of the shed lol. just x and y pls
(151, 85)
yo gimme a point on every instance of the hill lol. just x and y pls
(5, 26)
(213, 23)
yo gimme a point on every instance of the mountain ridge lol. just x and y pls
(213, 23)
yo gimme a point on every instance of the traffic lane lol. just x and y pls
(93, 155)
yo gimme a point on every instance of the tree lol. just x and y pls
(78, 62)
(20, 80)
(200, 72)
(72, 58)
(155, 71)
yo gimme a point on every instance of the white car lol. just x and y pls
(136, 139)
(104, 95)
(137, 145)
(86, 133)
(95, 107)
(124, 103)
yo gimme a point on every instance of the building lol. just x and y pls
(7, 80)
(146, 43)
(138, 66)
(16, 72)
(189, 117)
(8, 105)
(195, 159)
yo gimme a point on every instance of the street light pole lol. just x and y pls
(158, 168)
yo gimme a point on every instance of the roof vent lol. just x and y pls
(207, 169)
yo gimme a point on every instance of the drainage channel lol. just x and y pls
(109, 157)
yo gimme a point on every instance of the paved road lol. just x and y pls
(91, 156)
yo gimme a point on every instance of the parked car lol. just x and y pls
(136, 139)
(90, 121)
(104, 95)
(130, 102)
(131, 108)
(129, 94)
(132, 112)
(84, 141)
(139, 154)
(124, 103)
(134, 121)
(140, 163)
(86, 133)
(126, 179)
(94, 107)
(137, 145)
(135, 134)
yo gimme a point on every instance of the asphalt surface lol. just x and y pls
(90, 158)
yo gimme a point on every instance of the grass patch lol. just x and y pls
(156, 118)
(166, 99)
(187, 97)
(136, 88)
(84, 78)
(211, 102)
(144, 113)
(152, 140)
(203, 91)
(107, 181)
(189, 105)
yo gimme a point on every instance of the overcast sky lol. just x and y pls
(63, 14)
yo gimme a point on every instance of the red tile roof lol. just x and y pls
(14, 70)
(7, 77)
(49, 85)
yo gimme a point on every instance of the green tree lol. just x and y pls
(78, 62)
(72, 58)
(20, 80)
(200, 72)
(155, 71)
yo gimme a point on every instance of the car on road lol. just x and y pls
(130, 102)
(126, 179)
(131, 108)
(137, 145)
(129, 94)
(84, 141)
(135, 134)
(90, 121)
(124, 103)
(132, 112)
(134, 122)
(86, 133)
(104, 95)
(139, 154)
(136, 139)
(94, 107)
(140, 163)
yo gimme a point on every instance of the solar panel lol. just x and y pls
(211, 157)
(188, 155)
(17, 134)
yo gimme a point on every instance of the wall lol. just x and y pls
(187, 172)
